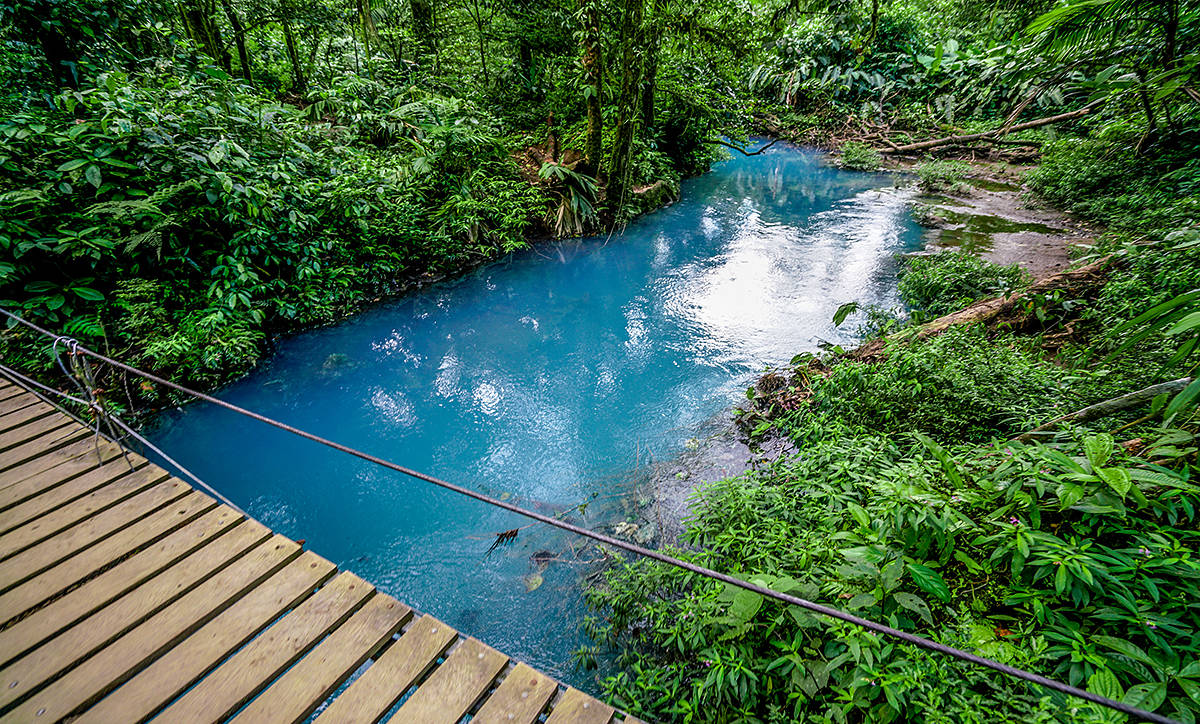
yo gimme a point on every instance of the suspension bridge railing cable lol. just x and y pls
(878, 628)
(94, 405)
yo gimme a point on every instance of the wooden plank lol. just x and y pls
(12, 404)
(520, 698)
(72, 513)
(12, 390)
(49, 442)
(296, 694)
(576, 707)
(176, 670)
(28, 674)
(90, 561)
(60, 495)
(383, 683)
(19, 417)
(256, 665)
(34, 429)
(125, 656)
(57, 468)
(32, 561)
(454, 687)
(113, 583)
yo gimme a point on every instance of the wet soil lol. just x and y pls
(998, 220)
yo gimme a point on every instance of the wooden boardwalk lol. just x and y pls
(128, 596)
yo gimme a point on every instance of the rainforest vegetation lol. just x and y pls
(182, 181)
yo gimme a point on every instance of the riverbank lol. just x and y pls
(988, 212)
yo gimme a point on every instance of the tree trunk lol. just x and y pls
(628, 110)
(239, 39)
(58, 49)
(649, 86)
(199, 20)
(422, 17)
(299, 84)
(593, 70)
(477, 16)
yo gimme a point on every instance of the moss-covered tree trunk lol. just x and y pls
(239, 39)
(593, 70)
(199, 18)
(423, 21)
(628, 107)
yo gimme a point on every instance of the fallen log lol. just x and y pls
(993, 309)
(988, 135)
(1103, 409)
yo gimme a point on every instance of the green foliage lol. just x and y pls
(961, 384)
(1104, 178)
(942, 283)
(942, 176)
(859, 156)
(1073, 560)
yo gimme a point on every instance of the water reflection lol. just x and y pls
(548, 379)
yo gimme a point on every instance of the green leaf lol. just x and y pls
(89, 294)
(844, 311)
(745, 605)
(92, 174)
(1117, 478)
(1184, 399)
(929, 581)
(1105, 683)
(1146, 696)
(72, 165)
(1125, 648)
(914, 603)
(859, 514)
(1098, 449)
(1191, 687)
(1190, 322)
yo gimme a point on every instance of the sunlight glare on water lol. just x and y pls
(549, 378)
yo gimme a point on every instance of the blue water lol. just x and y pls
(551, 378)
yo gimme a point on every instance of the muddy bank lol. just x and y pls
(1001, 222)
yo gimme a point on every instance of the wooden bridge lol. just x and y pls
(126, 596)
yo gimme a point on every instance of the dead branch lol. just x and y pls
(739, 149)
(1103, 409)
(986, 135)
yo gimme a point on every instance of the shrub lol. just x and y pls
(942, 176)
(858, 156)
(946, 282)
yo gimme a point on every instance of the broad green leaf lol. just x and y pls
(1105, 683)
(914, 603)
(1098, 449)
(92, 174)
(745, 605)
(929, 581)
(72, 165)
(844, 311)
(1190, 322)
(1184, 399)
(1117, 478)
(1146, 696)
(1125, 648)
